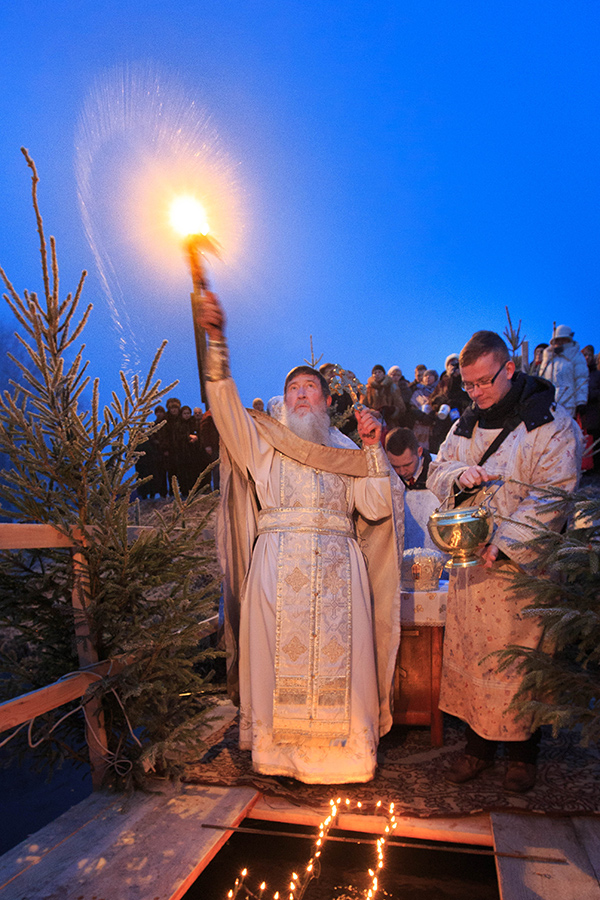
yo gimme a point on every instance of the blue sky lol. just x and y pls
(395, 173)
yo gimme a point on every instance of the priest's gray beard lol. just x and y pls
(313, 425)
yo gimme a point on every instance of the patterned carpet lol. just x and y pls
(409, 773)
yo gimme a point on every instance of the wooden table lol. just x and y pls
(418, 671)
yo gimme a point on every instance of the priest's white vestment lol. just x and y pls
(316, 654)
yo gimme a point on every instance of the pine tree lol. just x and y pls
(561, 679)
(73, 467)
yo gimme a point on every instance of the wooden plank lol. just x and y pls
(540, 835)
(21, 709)
(146, 846)
(468, 830)
(437, 716)
(32, 851)
(25, 707)
(95, 730)
(587, 829)
(23, 536)
(31, 536)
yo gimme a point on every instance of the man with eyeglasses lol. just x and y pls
(513, 436)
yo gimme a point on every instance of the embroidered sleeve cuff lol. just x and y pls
(217, 361)
(377, 464)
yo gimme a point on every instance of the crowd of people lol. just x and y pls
(183, 448)
(428, 405)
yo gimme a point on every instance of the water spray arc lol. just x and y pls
(142, 140)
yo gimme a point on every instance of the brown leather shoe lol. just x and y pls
(466, 768)
(520, 777)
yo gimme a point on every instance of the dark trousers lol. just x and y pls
(516, 751)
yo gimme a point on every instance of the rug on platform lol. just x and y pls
(409, 773)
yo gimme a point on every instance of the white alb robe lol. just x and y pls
(309, 699)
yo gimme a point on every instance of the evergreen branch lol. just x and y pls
(19, 312)
(77, 368)
(37, 386)
(55, 280)
(95, 408)
(9, 287)
(126, 388)
(67, 339)
(28, 349)
(154, 367)
(40, 226)
(65, 312)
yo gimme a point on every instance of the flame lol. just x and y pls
(188, 216)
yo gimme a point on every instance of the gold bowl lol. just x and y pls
(461, 532)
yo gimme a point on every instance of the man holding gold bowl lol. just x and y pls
(512, 434)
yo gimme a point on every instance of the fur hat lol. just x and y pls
(563, 331)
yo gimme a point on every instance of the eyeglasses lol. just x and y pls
(470, 386)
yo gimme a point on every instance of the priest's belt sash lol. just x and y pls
(303, 519)
(313, 646)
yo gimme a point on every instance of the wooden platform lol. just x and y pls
(147, 846)
(576, 840)
(153, 847)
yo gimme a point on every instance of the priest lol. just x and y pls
(305, 516)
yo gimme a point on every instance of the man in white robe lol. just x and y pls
(316, 653)
(516, 434)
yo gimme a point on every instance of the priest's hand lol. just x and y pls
(369, 429)
(212, 316)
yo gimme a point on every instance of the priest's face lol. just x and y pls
(304, 394)
(305, 409)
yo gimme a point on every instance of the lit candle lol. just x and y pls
(238, 884)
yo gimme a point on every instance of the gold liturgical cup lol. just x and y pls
(461, 532)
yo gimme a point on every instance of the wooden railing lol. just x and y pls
(26, 707)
